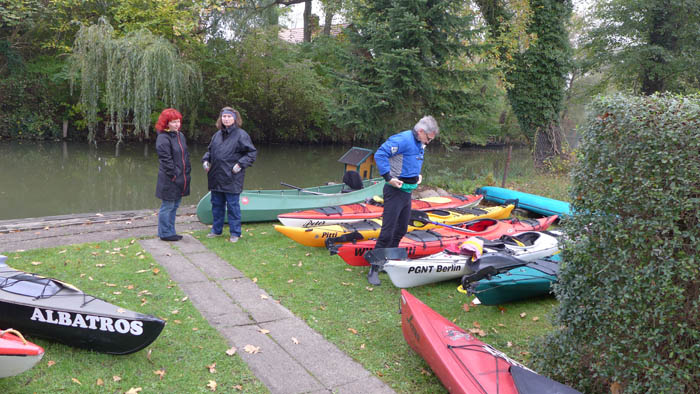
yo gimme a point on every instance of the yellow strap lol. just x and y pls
(461, 289)
(14, 332)
(378, 199)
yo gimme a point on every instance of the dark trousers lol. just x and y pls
(397, 214)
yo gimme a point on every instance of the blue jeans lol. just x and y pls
(166, 218)
(220, 203)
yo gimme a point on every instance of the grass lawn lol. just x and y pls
(120, 272)
(363, 321)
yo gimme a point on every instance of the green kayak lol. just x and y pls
(532, 280)
(265, 205)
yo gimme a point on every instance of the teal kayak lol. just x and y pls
(531, 280)
(265, 205)
(531, 202)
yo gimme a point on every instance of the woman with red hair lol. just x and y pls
(173, 171)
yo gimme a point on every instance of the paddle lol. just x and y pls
(301, 189)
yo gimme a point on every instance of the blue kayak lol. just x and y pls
(531, 202)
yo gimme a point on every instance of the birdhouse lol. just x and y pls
(360, 160)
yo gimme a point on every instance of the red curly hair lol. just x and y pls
(165, 117)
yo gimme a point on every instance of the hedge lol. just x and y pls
(629, 313)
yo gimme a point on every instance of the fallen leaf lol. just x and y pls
(251, 349)
(323, 308)
(369, 288)
(212, 368)
(130, 287)
(346, 284)
(148, 354)
(175, 312)
(352, 330)
(501, 325)
(142, 257)
(116, 292)
(134, 390)
(110, 285)
(36, 262)
(156, 271)
(231, 351)
(535, 318)
(100, 382)
(290, 281)
(116, 378)
(255, 280)
(63, 251)
(264, 331)
(465, 307)
(348, 269)
(263, 296)
(212, 385)
(160, 373)
(423, 371)
(295, 341)
(523, 314)
(238, 387)
(509, 344)
(299, 265)
(476, 324)
(362, 346)
(184, 299)
(308, 254)
(51, 363)
(76, 381)
(615, 388)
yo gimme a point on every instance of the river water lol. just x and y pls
(56, 178)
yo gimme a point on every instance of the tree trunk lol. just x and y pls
(307, 21)
(548, 143)
(328, 22)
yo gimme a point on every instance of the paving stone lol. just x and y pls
(320, 357)
(248, 295)
(209, 299)
(370, 384)
(188, 244)
(272, 365)
(213, 266)
(156, 247)
(181, 270)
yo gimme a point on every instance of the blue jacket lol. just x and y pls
(400, 156)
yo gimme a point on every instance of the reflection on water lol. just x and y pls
(55, 178)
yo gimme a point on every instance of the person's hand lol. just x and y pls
(396, 182)
(206, 166)
(236, 168)
(420, 179)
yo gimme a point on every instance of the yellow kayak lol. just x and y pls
(316, 236)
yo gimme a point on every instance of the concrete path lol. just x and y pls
(232, 303)
(240, 311)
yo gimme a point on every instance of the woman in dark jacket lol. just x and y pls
(173, 171)
(230, 152)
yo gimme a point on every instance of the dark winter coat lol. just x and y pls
(174, 166)
(229, 146)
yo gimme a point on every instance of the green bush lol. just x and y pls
(629, 312)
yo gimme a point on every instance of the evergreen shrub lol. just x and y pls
(628, 320)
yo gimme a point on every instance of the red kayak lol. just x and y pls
(421, 243)
(17, 354)
(350, 213)
(463, 363)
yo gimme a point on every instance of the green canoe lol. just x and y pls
(265, 205)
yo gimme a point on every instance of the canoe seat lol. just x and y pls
(353, 181)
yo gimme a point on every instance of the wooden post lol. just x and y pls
(505, 170)
(65, 128)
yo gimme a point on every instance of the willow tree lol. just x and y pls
(129, 77)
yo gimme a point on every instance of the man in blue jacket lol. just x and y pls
(399, 160)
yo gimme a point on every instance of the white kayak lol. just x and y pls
(525, 247)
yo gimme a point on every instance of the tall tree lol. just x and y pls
(649, 45)
(410, 58)
(535, 73)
